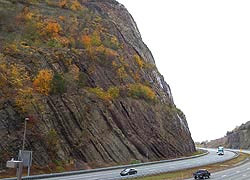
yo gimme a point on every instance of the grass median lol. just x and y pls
(187, 173)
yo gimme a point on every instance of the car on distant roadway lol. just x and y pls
(201, 174)
(128, 171)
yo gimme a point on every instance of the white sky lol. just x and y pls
(202, 48)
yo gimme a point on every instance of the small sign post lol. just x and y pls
(26, 158)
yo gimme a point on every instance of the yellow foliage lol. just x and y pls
(15, 83)
(13, 75)
(141, 91)
(114, 41)
(139, 61)
(114, 92)
(95, 39)
(26, 14)
(24, 98)
(11, 48)
(121, 73)
(71, 4)
(101, 93)
(111, 93)
(76, 5)
(114, 64)
(42, 83)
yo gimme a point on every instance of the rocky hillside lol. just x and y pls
(236, 139)
(79, 70)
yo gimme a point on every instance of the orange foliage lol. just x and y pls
(63, 3)
(42, 83)
(53, 28)
(62, 18)
(86, 40)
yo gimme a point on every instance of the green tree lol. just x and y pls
(58, 84)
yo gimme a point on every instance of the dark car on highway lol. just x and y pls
(201, 174)
(128, 171)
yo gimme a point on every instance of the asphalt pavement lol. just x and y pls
(241, 172)
(212, 157)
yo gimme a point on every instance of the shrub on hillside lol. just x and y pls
(58, 84)
(141, 91)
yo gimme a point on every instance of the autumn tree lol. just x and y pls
(51, 28)
(141, 91)
(15, 84)
(86, 40)
(138, 60)
(42, 82)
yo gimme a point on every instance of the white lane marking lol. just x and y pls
(237, 171)
(224, 176)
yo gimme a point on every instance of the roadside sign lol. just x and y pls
(26, 157)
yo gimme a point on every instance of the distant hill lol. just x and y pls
(81, 73)
(237, 138)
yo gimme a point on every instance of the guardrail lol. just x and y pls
(44, 176)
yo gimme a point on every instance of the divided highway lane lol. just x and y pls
(241, 172)
(212, 157)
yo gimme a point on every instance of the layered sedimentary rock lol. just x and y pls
(81, 73)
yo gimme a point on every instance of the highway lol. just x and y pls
(114, 174)
(241, 172)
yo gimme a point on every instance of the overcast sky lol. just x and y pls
(202, 48)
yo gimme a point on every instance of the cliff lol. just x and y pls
(235, 139)
(81, 73)
(239, 137)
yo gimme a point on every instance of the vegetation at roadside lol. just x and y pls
(184, 174)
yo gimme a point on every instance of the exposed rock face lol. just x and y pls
(235, 139)
(239, 137)
(82, 74)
